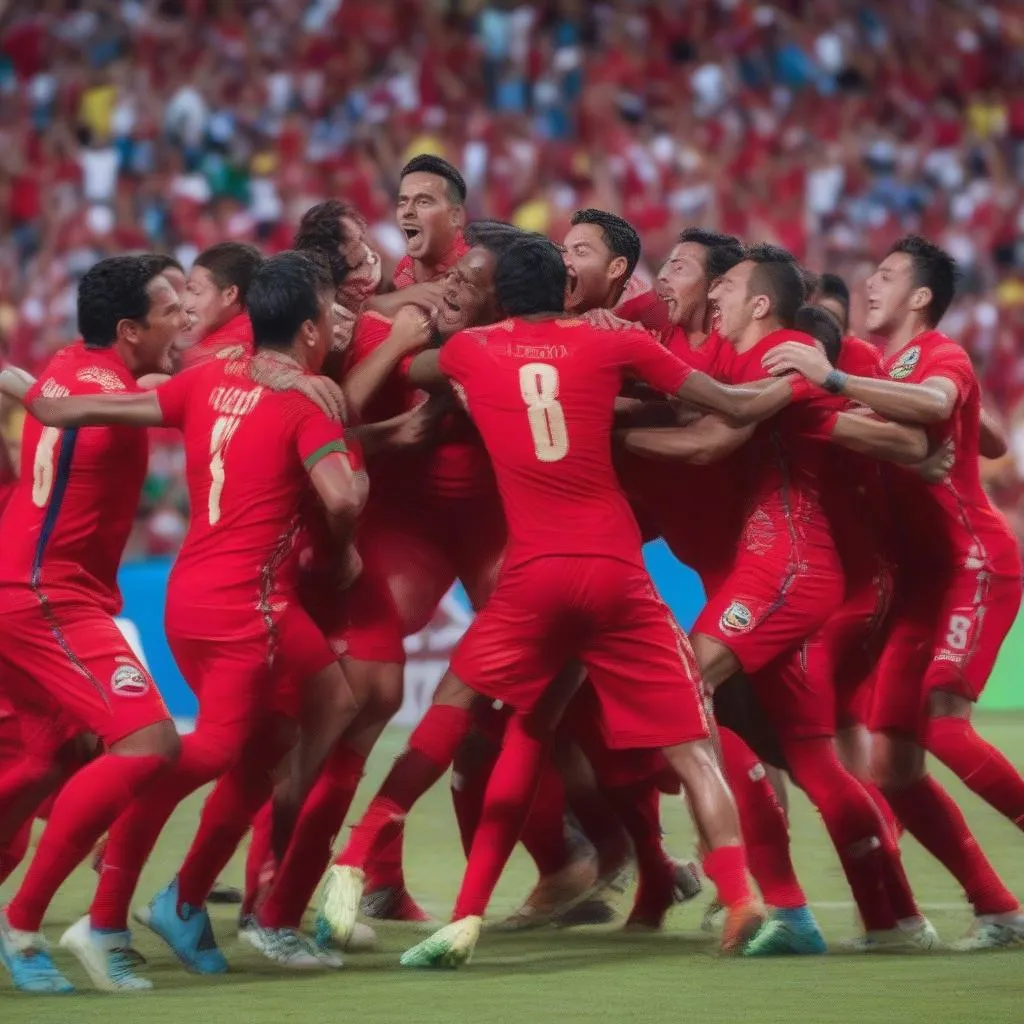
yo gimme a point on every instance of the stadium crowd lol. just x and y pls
(830, 127)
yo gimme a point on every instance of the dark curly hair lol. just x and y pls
(322, 230)
(285, 292)
(530, 278)
(112, 290)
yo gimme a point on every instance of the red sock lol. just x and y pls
(256, 861)
(13, 853)
(431, 748)
(854, 825)
(901, 896)
(765, 834)
(726, 866)
(510, 791)
(309, 851)
(87, 806)
(543, 833)
(930, 815)
(639, 809)
(979, 765)
(226, 816)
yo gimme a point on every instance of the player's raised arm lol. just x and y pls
(410, 331)
(133, 410)
(931, 401)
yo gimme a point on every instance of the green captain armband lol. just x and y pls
(323, 451)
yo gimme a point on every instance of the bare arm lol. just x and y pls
(706, 441)
(427, 296)
(894, 442)
(425, 371)
(993, 441)
(931, 401)
(738, 405)
(134, 410)
(407, 432)
(342, 489)
(409, 332)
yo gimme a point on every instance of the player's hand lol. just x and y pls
(607, 320)
(325, 394)
(426, 296)
(411, 328)
(418, 427)
(938, 465)
(343, 326)
(794, 357)
(16, 383)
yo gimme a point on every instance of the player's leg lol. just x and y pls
(978, 614)
(81, 659)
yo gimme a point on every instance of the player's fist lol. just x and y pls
(419, 426)
(324, 393)
(426, 296)
(411, 328)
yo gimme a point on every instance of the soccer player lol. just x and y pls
(766, 617)
(534, 354)
(215, 301)
(64, 533)
(959, 587)
(233, 617)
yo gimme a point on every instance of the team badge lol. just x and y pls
(736, 618)
(129, 681)
(905, 364)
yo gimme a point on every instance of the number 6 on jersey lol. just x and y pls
(538, 384)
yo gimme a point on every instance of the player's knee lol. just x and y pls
(896, 761)
(947, 704)
(159, 740)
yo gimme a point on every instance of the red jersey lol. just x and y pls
(247, 450)
(950, 524)
(457, 466)
(405, 272)
(542, 394)
(236, 333)
(640, 305)
(779, 472)
(68, 521)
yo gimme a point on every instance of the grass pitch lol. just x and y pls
(580, 975)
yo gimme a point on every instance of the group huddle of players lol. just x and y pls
(519, 416)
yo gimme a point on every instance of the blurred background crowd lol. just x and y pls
(828, 126)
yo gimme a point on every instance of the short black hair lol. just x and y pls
(530, 278)
(113, 290)
(493, 235)
(455, 184)
(231, 263)
(321, 230)
(777, 275)
(285, 292)
(167, 262)
(933, 268)
(619, 235)
(832, 286)
(822, 326)
(723, 252)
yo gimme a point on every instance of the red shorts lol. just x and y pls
(943, 638)
(605, 613)
(856, 635)
(764, 610)
(412, 553)
(75, 653)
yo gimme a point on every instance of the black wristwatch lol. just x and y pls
(835, 382)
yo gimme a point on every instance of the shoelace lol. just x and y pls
(120, 965)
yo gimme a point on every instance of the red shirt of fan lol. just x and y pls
(69, 517)
(246, 449)
(542, 394)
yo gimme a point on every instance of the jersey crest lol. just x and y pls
(904, 366)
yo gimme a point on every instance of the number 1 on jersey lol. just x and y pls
(223, 430)
(538, 384)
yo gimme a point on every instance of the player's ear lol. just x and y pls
(458, 216)
(761, 306)
(230, 295)
(618, 267)
(920, 299)
(127, 331)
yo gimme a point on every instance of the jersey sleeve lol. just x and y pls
(952, 363)
(173, 397)
(371, 332)
(459, 355)
(816, 416)
(651, 362)
(317, 436)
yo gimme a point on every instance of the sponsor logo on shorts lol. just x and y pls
(129, 681)
(905, 364)
(736, 618)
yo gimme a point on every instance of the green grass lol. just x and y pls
(580, 975)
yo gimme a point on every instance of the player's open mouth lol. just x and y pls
(411, 232)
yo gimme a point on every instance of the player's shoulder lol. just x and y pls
(931, 353)
(859, 357)
(77, 369)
